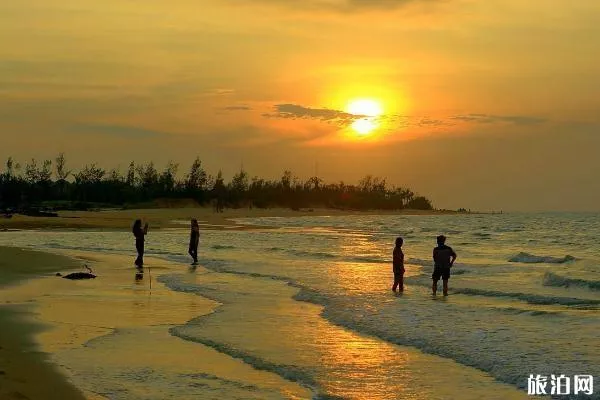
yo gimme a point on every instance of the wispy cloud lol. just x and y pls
(295, 111)
(341, 5)
(491, 119)
(237, 108)
(342, 118)
(221, 91)
(116, 130)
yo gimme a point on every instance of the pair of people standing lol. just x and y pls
(443, 260)
(140, 234)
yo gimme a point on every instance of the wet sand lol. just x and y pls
(134, 316)
(25, 371)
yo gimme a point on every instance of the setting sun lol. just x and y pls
(364, 126)
(368, 110)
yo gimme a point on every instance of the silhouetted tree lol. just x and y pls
(167, 179)
(143, 182)
(218, 192)
(196, 181)
(130, 180)
(420, 203)
(60, 164)
(88, 185)
(238, 187)
(31, 172)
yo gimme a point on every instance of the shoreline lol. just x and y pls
(128, 305)
(162, 218)
(124, 309)
(25, 371)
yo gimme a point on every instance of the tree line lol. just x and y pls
(50, 183)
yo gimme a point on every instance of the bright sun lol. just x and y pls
(369, 110)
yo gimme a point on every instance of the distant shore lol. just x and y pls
(25, 372)
(160, 218)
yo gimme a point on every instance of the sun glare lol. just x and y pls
(369, 110)
(364, 126)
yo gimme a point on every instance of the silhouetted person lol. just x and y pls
(194, 240)
(139, 234)
(398, 265)
(443, 259)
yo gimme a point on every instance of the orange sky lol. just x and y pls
(486, 105)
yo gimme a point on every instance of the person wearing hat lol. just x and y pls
(443, 259)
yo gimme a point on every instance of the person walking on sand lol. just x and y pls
(139, 234)
(398, 265)
(194, 240)
(443, 259)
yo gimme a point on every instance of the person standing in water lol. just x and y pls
(194, 240)
(398, 265)
(139, 234)
(443, 259)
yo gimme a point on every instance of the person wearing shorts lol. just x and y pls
(398, 266)
(443, 259)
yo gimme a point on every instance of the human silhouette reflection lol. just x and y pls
(139, 277)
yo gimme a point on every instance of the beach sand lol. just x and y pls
(122, 304)
(174, 217)
(25, 372)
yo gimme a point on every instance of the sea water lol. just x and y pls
(309, 301)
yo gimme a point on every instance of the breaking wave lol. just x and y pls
(222, 247)
(288, 372)
(552, 279)
(320, 255)
(533, 259)
(528, 298)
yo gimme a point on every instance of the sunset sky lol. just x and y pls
(486, 105)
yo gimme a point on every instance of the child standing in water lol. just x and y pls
(139, 234)
(398, 265)
(194, 240)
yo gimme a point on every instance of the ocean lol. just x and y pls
(308, 301)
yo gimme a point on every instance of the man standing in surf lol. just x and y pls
(398, 265)
(443, 259)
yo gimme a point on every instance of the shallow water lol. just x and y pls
(311, 302)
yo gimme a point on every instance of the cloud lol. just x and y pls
(221, 91)
(295, 111)
(116, 130)
(492, 119)
(342, 118)
(344, 5)
(237, 108)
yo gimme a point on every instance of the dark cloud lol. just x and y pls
(295, 111)
(492, 119)
(237, 108)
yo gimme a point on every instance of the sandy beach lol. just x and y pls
(140, 311)
(176, 217)
(26, 372)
